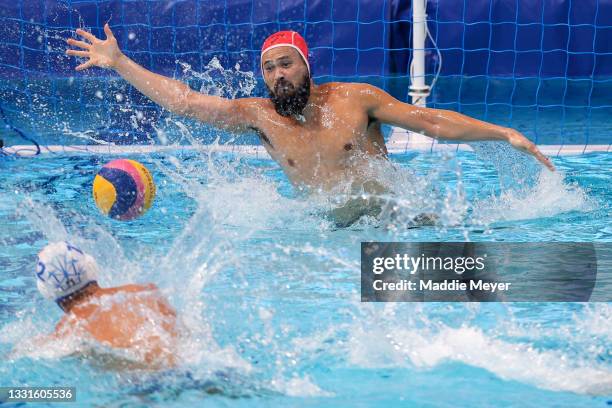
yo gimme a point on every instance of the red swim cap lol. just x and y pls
(286, 39)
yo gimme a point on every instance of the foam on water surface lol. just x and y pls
(267, 287)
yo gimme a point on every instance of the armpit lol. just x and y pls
(262, 136)
(371, 121)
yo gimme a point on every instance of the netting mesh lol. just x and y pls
(542, 67)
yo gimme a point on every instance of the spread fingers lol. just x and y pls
(77, 43)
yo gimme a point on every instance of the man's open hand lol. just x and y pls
(103, 54)
(520, 142)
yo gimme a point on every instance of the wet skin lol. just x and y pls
(124, 321)
(331, 143)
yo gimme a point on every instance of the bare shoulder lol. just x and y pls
(132, 287)
(250, 104)
(353, 88)
(251, 109)
(355, 91)
(143, 288)
(67, 325)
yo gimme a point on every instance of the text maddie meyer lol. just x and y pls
(452, 285)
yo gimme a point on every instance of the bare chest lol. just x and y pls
(329, 140)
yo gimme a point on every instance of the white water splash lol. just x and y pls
(550, 196)
(219, 81)
(200, 254)
(374, 346)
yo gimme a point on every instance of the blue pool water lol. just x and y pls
(268, 288)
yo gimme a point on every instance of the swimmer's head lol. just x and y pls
(63, 270)
(287, 40)
(286, 72)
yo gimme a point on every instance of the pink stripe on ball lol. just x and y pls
(138, 205)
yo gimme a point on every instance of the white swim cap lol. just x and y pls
(64, 269)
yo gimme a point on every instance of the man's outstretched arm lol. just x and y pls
(171, 94)
(443, 124)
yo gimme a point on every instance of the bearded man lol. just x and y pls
(322, 135)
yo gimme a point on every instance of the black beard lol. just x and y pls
(293, 101)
